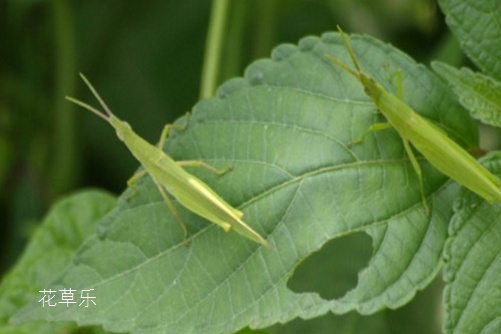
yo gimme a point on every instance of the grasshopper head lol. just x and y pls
(121, 127)
(371, 87)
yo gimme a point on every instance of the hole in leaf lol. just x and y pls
(333, 270)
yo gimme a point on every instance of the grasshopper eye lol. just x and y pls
(120, 135)
(119, 130)
(127, 125)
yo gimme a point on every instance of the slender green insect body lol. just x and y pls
(441, 151)
(168, 175)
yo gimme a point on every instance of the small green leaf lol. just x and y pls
(476, 25)
(285, 128)
(50, 250)
(473, 269)
(478, 93)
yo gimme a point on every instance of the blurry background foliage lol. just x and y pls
(145, 58)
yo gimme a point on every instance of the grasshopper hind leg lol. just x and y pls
(175, 214)
(419, 174)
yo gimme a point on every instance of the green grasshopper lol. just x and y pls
(441, 151)
(169, 176)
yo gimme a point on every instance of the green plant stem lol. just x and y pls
(63, 165)
(213, 48)
(234, 41)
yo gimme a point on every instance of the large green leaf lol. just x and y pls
(477, 26)
(473, 254)
(478, 93)
(285, 129)
(51, 248)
